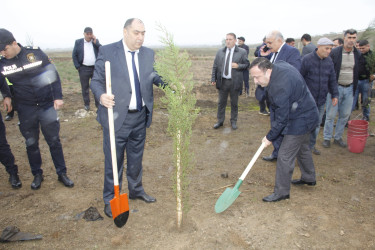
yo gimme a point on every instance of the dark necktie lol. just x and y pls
(226, 70)
(137, 85)
(274, 58)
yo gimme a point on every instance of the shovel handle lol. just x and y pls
(111, 123)
(255, 157)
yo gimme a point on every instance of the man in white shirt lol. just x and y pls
(84, 56)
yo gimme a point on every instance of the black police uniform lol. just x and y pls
(6, 156)
(36, 86)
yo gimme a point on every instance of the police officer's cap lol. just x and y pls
(6, 38)
(87, 30)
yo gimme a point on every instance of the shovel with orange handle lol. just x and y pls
(119, 204)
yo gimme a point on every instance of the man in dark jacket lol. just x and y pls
(346, 63)
(278, 51)
(84, 54)
(319, 74)
(365, 79)
(6, 155)
(227, 74)
(296, 116)
(241, 44)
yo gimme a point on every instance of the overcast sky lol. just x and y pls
(57, 24)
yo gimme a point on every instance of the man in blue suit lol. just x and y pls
(295, 117)
(133, 76)
(84, 54)
(278, 50)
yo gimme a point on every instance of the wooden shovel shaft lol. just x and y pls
(255, 157)
(111, 124)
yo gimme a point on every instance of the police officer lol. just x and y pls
(6, 156)
(37, 90)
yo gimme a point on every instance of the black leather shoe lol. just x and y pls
(269, 158)
(37, 182)
(107, 210)
(275, 197)
(234, 126)
(315, 151)
(65, 180)
(340, 142)
(326, 143)
(302, 182)
(15, 181)
(218, 125)
(87, 107)
(144, 197)
(8, 118)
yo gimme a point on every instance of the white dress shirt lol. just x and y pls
(274, 56)
(229, 76)
(128, 58)
(89, 55)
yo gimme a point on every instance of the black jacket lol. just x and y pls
(336, 55)
(35, 80)
(292, 106)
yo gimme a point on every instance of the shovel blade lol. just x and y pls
(226, 199)
(120, 209)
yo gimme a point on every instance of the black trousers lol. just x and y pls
(130, 138)
(32, 119)
(226, 89)
(245, 81)
(6, 156)
(85, 75)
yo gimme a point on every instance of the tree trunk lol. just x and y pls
(178, 178)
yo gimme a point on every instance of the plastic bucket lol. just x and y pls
(356, 144)
(361, 124)
(358, 131)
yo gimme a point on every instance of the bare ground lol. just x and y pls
(338, 213)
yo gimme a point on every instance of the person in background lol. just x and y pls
(296, 116)
(365, 79)
(6, 155)
(227, 75)
(262, 100)
(84, 55)
(257, 52)
(290, 42)
(337, 42)
(319, 74)
(346, 60)
(308, 46)
(38, 93)
(241, 44)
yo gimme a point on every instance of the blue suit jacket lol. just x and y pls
(288, 54)
(121, 89)
(78, 51)
(293, 108)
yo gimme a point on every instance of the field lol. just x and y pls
(338, 213)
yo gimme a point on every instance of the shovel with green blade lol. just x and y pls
(230, 195)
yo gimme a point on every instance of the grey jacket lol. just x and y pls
(239, 57)
(121, 89)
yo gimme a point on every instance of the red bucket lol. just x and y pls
(357, 131)
(360, 124)
(356, 144)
